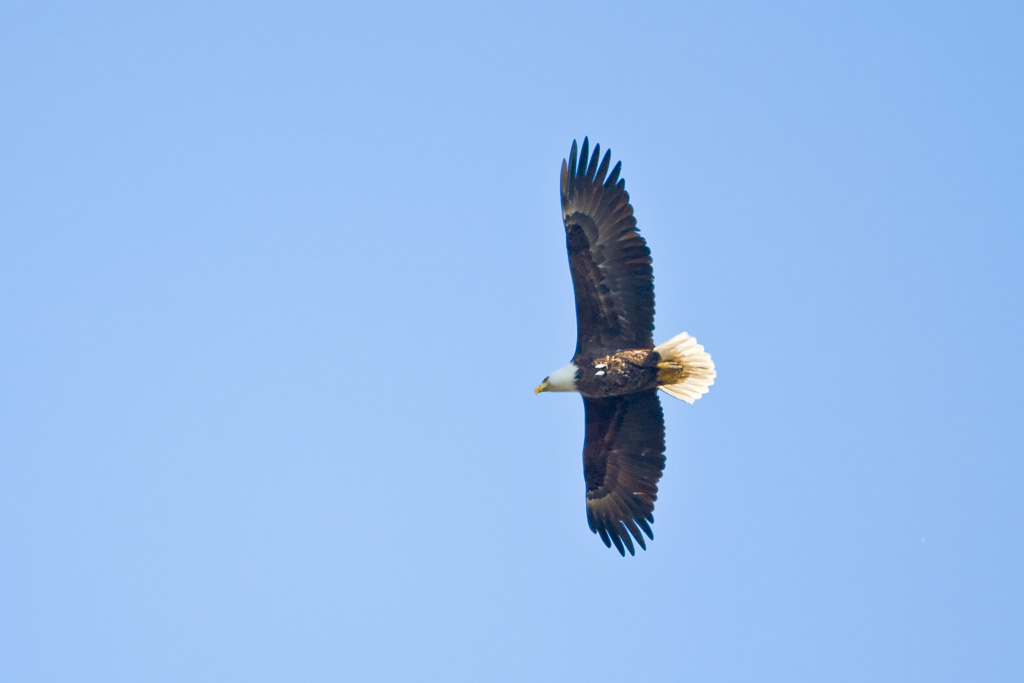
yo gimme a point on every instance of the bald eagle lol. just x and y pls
(617, 368)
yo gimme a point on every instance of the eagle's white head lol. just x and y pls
(562, 379)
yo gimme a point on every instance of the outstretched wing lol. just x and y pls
(609, 261)
(623, 457)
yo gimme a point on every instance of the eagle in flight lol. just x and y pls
(617, 368)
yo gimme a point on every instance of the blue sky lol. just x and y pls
(278, 281)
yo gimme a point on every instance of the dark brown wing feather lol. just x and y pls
(609, 261)
(623, 457)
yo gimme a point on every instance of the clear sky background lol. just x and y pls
(277, 283)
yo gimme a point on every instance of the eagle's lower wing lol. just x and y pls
(609, 261)
(623, 457)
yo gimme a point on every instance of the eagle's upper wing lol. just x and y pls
(623, 456)
(609, 261)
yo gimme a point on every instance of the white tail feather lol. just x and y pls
(686, 369)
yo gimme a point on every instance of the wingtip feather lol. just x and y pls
(572, 160)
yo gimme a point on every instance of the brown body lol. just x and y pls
(623, 372)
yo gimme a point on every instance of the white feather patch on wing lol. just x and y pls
(685, 369)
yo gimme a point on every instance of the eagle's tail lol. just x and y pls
(685, 369)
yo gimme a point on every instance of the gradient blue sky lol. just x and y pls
(277, 283)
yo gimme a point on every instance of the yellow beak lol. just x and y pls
(543, 387)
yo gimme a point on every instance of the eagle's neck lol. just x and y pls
(563, 379)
